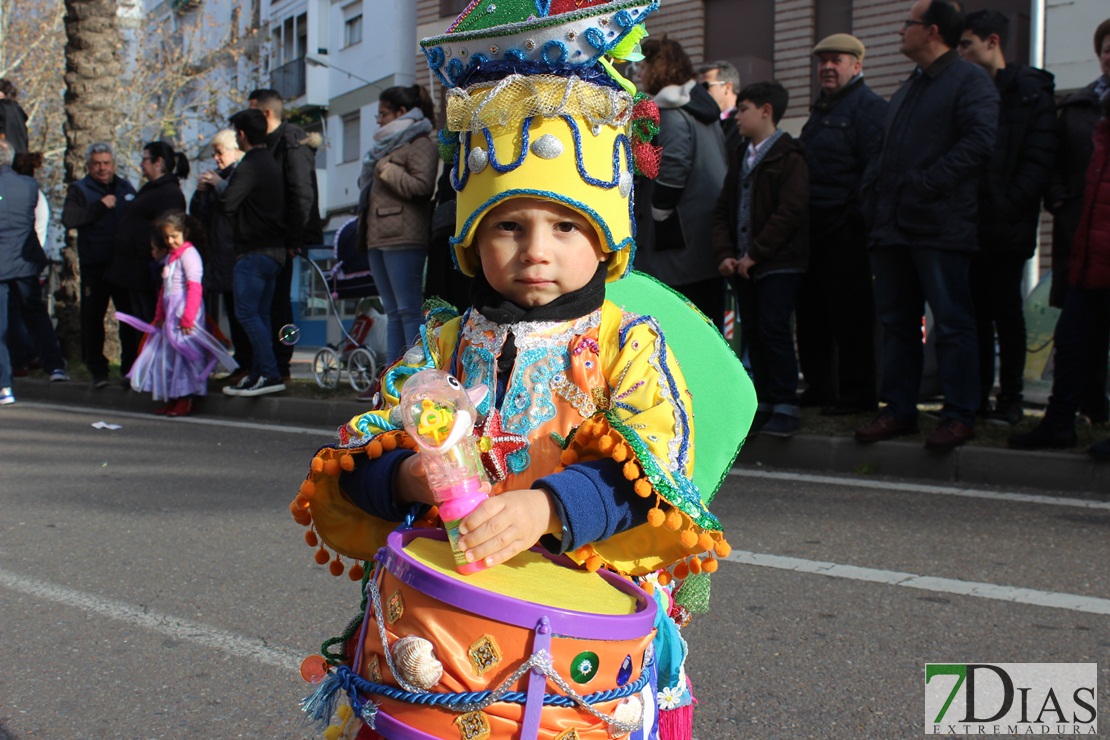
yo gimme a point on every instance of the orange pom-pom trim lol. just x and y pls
(620, 452)
(322, 556)
(301, 501)
(710, 565)
(308, 489)
(374, 449)
(568, 457)
(664, 578)
(593, 563)
(648, 587)
(695, 565)
(584, 552)
(642, 487)
(389, 442)
(606, 444)
(722, 549)
(336, 567)
(317, 465)
(300, 515)
(674, 520)
(631, 470)
(311, 539)
(688, 538)
(346, 462)
(656, 517)
(356, 572)
(706, 541)
(331, 468)
(681, 570)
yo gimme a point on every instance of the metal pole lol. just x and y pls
(1036, 59)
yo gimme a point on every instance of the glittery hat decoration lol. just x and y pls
(535, 108)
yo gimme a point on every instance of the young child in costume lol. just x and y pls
(587, 427)
(178, 354)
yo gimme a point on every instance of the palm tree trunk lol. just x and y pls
(93, 72)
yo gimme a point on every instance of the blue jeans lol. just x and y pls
(25, 293)
(765, 306)
(254, 280)
(399, 277)
(905, 278)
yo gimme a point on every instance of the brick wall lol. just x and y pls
(794, 29)
(683, 21)
(875, 23)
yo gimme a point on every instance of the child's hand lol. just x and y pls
(505, 525)
(411, 483)
(157, 323)
(727, 266)
(186, 330)
(744, 264)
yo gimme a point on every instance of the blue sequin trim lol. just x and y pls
(454, 70)
(558, 46)
(621, 143)
(624, 19)
(594, 38)
(525, 134)
(478, 367)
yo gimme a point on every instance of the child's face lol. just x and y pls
(751, 118)
(172, 237)
(533, 251)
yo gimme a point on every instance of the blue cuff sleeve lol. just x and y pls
(370, 485)
(594, 501)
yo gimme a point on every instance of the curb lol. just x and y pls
(1054, 473)
(1063, 474)
(326, 414)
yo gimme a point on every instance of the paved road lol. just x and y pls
(152, 585)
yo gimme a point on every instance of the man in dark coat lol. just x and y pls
(921, 197)
(13, 119)
(93, 206)
(21, 261)
(254, 201)
(1077, 115)
(1009, 206)
(836, 308)
(721, 80)
(303, 226)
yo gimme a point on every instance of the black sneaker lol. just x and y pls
(101, 381)
(263, 386)
(1006, 414)
(1044, 437)
(244, 383)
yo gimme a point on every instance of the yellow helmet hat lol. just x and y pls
(535, 109)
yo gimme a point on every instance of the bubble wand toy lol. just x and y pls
(439, 415)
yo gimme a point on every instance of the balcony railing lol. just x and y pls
(289, 79)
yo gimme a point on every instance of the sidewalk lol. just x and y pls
(1055, 473)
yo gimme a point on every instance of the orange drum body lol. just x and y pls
(528, 649)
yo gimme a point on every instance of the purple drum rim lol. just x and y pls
(507, 610)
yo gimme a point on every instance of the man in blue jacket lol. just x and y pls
(93, 207)
(836, 309)
(21, 261)
(921, 199)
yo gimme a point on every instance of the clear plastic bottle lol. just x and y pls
(440, 416)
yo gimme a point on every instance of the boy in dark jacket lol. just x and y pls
(1013, 183)
(761, 240)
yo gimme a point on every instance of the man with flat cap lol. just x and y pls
(836, 311)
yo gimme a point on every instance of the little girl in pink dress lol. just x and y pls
(178, 355)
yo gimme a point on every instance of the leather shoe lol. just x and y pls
(949, 435)
(1044, 437)
(885, 427)
(183, 407)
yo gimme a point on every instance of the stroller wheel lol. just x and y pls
(325, 368)
(361, 369)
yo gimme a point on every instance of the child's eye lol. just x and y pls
(567, 226)
(508, 226)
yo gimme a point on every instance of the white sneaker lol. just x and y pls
(6, 396)
(262, 386)
(59, 376)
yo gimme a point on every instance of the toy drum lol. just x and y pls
(529, 649)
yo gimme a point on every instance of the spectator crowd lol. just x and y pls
(829, 245)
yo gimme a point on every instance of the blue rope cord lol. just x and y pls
(351, 681)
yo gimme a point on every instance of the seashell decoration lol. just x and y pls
(629, 712)
(415, 662)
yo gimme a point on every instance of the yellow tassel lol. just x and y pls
(334, 732)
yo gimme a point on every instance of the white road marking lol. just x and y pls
(181, 629)
(208, 421)
(1052, 599)
(1025, 498)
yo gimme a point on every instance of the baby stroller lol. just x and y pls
(350, 278)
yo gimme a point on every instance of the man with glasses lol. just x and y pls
(721, 80)
(921, 198)
(836, 309)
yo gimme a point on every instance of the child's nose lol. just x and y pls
(535, 248)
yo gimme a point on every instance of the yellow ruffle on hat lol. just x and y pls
(535, 109)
